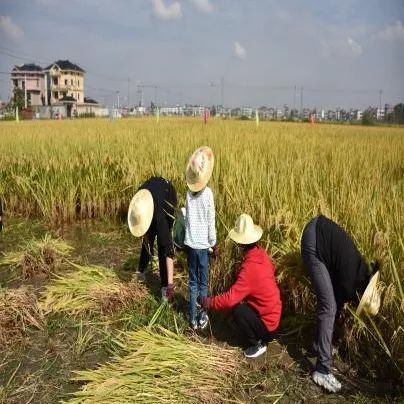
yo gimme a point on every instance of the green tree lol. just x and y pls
(399, 113)
(18, 98)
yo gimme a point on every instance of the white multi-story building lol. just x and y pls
(380, 113)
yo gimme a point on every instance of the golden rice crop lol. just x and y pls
(281, 173)
(90, 290)
(18, 311)
(38, 257)
(159, 366)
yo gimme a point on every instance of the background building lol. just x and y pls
(65, 80)
(30, 78)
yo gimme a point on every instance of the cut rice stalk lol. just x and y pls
(18, 311)
(161, 366)
(91, 290)
(38, 256)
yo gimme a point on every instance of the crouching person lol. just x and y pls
(339, 274)
(254, 298)
(151, 216)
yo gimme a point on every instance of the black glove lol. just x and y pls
(215, 252)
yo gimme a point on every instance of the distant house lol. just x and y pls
(64, 79)
(90, 107)
(30, 78)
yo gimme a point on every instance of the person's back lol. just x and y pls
(256, 285)
(265, 294)
(342, 259)
(200, 232)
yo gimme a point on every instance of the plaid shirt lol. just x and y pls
(200, 229)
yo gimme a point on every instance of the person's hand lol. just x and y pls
(170, 291)
(204, 301)
(215, 252)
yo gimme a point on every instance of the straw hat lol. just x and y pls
(245, 231)
(199, 168)
(140, 212)
(370, 301)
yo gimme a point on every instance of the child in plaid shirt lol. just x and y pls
(200, 231)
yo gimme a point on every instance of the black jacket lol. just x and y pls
(165, 202)
(347, 268)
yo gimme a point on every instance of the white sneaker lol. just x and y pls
(328, 381)
(203, 321)
(140, 276)
(164, 294)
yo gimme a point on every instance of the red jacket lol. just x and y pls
(256, 285)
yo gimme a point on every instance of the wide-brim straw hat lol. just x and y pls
(245, 231)
(140, 212)
(199, 168)
(370, 301)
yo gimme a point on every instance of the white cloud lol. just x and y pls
(239, 50)
(205, 6)
(392, 32)
(170, 12)
(356, 47)
(10, 28)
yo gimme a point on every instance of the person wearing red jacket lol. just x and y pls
(255, 297)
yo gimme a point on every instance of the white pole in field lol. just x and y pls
(25, 90)
(17, 118)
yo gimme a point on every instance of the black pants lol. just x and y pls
(251, 327)
(147, 253)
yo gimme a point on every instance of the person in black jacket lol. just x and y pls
(339, 274)
(151, 216)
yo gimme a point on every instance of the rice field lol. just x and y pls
(62, 174)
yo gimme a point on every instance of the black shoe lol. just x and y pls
(255, 350)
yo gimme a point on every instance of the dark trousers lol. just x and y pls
(251, 327)
(326, 304)
(146, 254)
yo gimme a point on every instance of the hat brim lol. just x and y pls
(251, 238)
(140, 228)
(194, 183)
(368, 293)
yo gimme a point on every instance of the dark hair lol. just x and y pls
(247, 247)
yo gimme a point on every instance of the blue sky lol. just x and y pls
(341, 52)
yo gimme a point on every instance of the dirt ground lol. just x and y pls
(38, 368)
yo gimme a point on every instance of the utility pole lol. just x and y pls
(301, 101)
(128, 92)
(222, 91)
(25, 92)
(380, 99)
(294, 99)
(117, 99)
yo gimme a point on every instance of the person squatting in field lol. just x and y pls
(339, 274)
(200, 230)
(255, 297)
(151, 215)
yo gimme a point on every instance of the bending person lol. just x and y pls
(339, 274)
(151, 215)
(254, 297)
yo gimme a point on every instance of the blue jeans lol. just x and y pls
(198, 267)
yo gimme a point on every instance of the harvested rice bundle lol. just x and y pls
(38, 256)
(91, 290)
(162, 367)
(18, 311)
